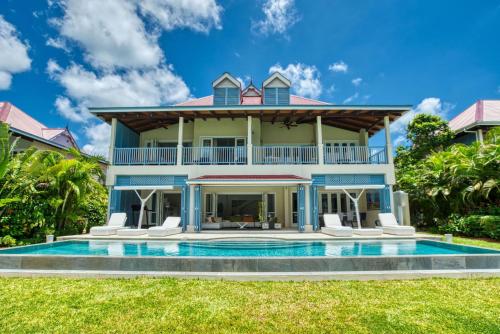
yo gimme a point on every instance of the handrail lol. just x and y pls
(285, 155)
(355, 155)
(145, 156)
(233, 155)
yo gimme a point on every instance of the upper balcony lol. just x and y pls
(261, 155)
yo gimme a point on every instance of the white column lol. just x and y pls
(179, 140)
(319, 140)
(249, 141)
(190, 226)
(388, 142)
(480, 136)
(307, 209)
(391, 199)
(286, 205)
(112, 140)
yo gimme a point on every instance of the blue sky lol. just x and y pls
(59, 57)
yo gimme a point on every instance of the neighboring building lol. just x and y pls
(33, 133)
(471, 124)
(244, 157)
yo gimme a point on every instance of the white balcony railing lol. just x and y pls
(214, 155)
(355, 155)
(285, 155)
(145, 156)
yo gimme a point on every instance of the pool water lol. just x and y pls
(242, 248)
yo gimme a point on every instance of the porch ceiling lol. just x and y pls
(353, 118)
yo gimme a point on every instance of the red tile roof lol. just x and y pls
(481, 111)
(18, 119)
(250, 177)
(249, 100)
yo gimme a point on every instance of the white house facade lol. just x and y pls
(250, 158)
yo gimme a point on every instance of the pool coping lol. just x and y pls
(232, 266)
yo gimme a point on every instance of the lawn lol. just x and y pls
(477, 242)
(56, 305)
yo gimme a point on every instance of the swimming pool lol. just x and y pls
(248, 248)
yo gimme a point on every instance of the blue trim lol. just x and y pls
(301, 199)
(185, 207)
(197, 208)
(314, 207)
(347, 179)
(125, 137)
(385, 200)
(151, 180)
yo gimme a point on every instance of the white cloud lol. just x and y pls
(430, 105)
(111, 33)
(356, 82)
(13, 54)
(58, 43)
(339, 67)
(304, 78)
(279, 16)
(198, 15)
(98, 139)
(351, 98)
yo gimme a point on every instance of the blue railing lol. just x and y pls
(214, 155)
(145, 156)
(285, 155)
(355, 155)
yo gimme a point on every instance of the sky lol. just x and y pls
(59, 57)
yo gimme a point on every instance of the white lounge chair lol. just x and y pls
(116, 221)
(129, 232)
(391, 226)
(333, 226)
(170, 226)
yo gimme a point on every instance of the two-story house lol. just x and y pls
(244, 157)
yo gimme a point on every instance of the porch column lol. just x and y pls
(391, 199)
(314, 208)
(197, 208)
(190, 226)
(179, 140)
(480, 136)
(249, 141)
(388, 143)
(307, 209)
(319, 140)
(112, 140)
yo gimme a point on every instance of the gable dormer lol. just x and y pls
(276, 90)
(251, 91)
(227, 90)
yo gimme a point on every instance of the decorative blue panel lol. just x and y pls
(385, 200)
(114, 200)
(301, 199)
(151, 180)
(125, 137)
(197, 208)
(226, 96)
(314, 207)
(277, 96)
(185, 207)
(347, 179)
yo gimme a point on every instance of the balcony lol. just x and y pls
(261, 155)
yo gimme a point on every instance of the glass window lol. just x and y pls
(373, 200)
(333, 201)
(343, 203)
(271, 205)
(294, 208)
(324, 204)
(209, 200)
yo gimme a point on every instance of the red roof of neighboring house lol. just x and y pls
(251, 177)
(249, 100)
(480, 112)
(18, 119)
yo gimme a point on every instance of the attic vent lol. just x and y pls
(226, 96)
(277, 96)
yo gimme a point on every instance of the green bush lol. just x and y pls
(7, 241)
(472, 226)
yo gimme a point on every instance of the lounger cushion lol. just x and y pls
(131, 231)
(116, 221)
(171, 222)
(340, 231)
(367, 231)
(332, 220)
(162, 232)
(399, 230)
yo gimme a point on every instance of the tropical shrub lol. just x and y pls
(46, 192)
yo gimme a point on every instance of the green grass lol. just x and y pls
(476, 242)
(51, 305)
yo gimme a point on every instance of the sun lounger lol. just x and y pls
(333, 226)
(170, 226)
(391, 226)
(116, 221)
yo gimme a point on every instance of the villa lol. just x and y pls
(252, 158)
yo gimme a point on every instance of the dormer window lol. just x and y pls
(276, 90)
(227, 90)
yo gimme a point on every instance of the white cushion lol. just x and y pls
(131, 231)
(171, 222)
(387, 219)
(331, 220)
(340, 231)
(367, 231)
